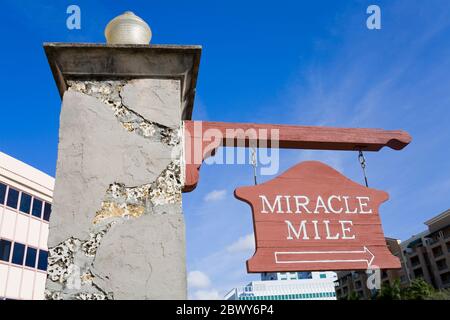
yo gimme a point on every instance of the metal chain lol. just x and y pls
(362, 162)
(254, 164)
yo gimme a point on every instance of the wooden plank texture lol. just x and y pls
(313, 218)
(202, 138)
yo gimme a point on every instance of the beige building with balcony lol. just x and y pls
(426, 255)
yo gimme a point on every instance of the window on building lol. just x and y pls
(47, 211)
(2, 193)
(415, 261)
(437, 252)
(445, 277)
(5, 249)
(13, 198)
(42, 263)
(18, 253)
(292, 275)
(304, 275)
(37, 208)
(418, 273)
(25, 203)
(30, 260)
(323, 276)
(441, 264)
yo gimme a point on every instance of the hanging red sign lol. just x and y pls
(313, 218)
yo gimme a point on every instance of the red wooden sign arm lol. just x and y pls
(202, 138)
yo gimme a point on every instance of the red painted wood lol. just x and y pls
(275, 253)
(200, 142)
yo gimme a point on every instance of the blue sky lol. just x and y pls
(292, 62)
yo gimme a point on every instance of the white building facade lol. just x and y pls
(288, 286)
(25, 208)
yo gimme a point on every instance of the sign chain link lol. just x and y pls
(362, 162)
(254, 164)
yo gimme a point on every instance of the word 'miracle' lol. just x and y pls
(303, 204)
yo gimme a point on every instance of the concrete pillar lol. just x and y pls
(117, 229)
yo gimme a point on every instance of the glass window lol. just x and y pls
(47, 211)
(30, 261)
(304, 275)
(13, 198)
(5, 249)
(2, 193)
(37, 208)
(25, 203)
(323, 276)
(18, 253)
(42, 263)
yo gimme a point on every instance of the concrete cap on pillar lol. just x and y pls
(128, 29)
(75, 61)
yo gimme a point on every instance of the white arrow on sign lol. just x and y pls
(369, 256)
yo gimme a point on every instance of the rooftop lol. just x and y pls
(441, 217)
(18, 172)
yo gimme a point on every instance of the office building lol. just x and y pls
(288, 286)
(25, 208)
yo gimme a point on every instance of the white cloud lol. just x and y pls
(215, 195)
(207, 295)
(245, 243)
(198, 279)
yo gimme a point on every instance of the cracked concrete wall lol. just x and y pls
(117, 229)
